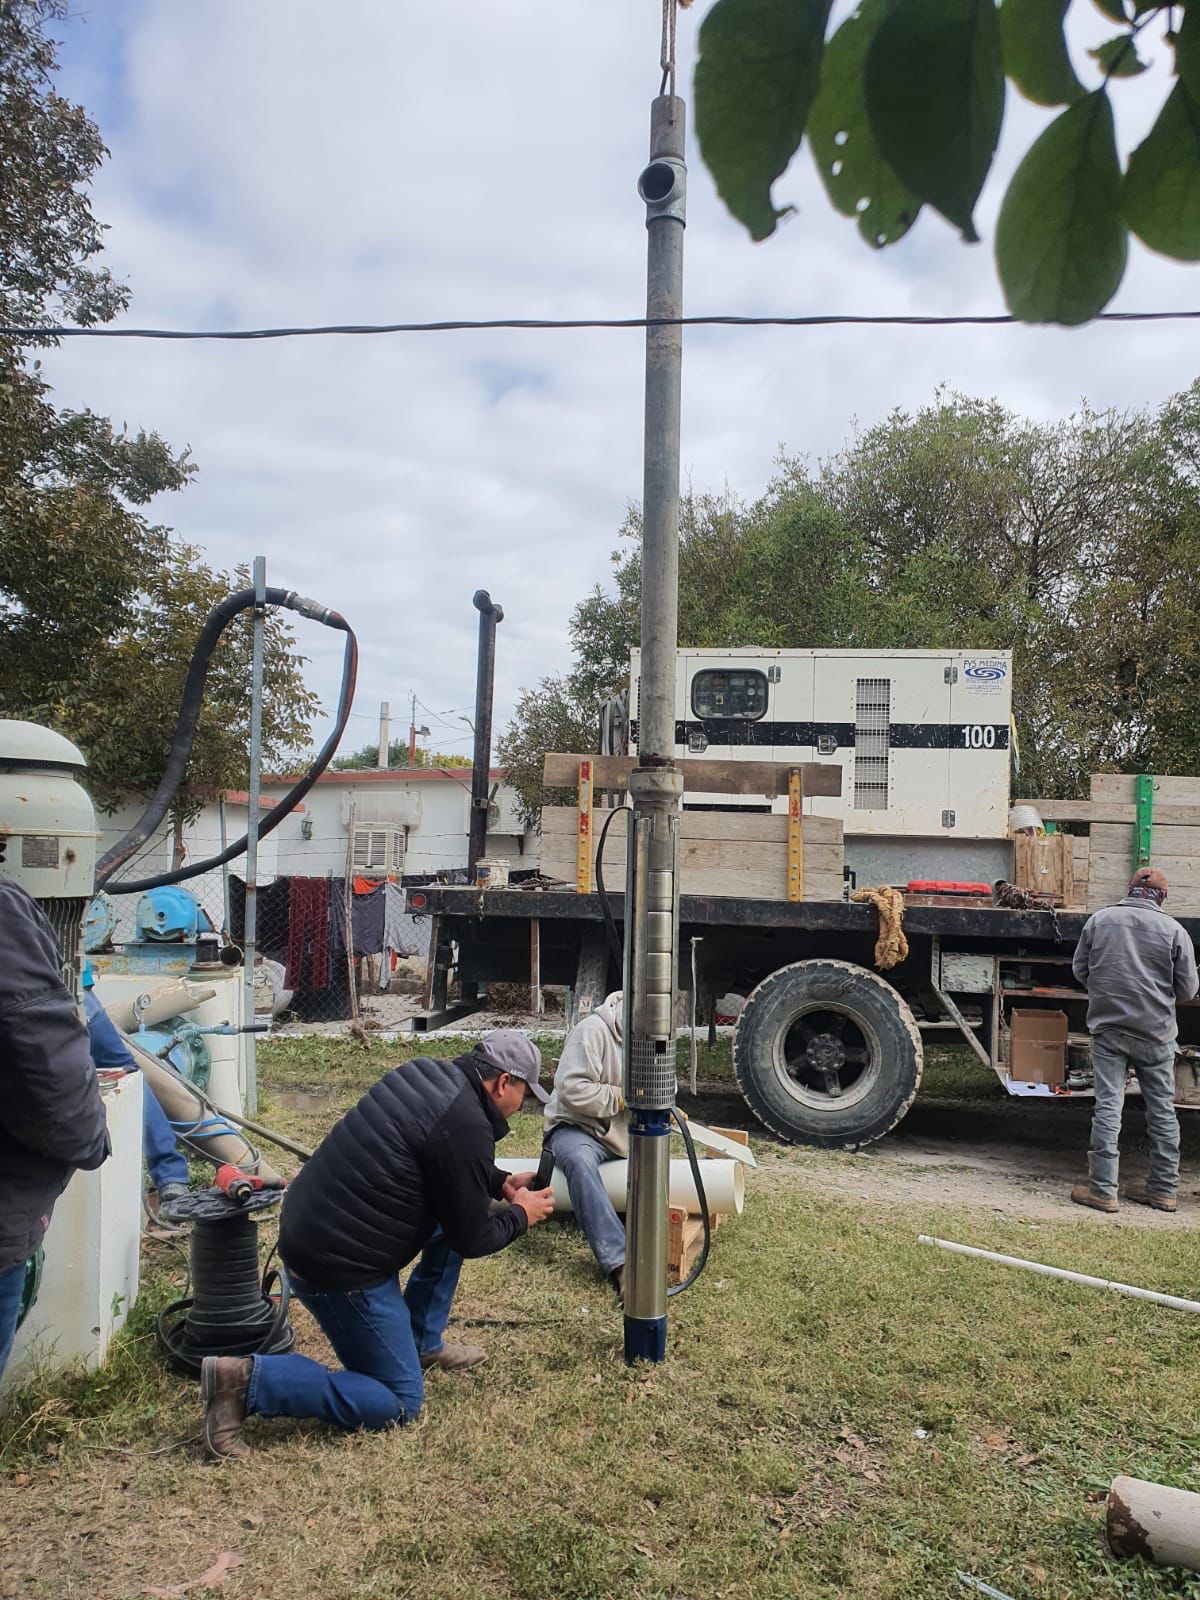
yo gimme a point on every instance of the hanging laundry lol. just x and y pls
(308, 923)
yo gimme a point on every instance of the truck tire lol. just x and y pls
(827, 1053)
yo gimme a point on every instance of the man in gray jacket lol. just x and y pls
(1135, 962)
(587, 1125)
(51, 1116)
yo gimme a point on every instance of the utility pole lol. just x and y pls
(485, 677)
(385, 734)
(413, 731)
(655, 786)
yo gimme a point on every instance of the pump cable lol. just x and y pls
(184, 736)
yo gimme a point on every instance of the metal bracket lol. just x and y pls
(1143, 825)
(952, 1011)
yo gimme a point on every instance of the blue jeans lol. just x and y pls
(108, 1049)
(12, 1286)
(581, 1157)
(1114, 1054)
(379, 1336)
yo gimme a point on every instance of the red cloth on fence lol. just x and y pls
(308, 918)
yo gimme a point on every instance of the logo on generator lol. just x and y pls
(986, 673)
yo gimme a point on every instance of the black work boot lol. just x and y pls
(224, 1382)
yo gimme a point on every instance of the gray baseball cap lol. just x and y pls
(511, 1051)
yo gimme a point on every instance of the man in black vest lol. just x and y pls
(409, 1171)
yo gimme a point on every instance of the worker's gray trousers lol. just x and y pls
(1114, 1054)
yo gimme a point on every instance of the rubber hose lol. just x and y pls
(230, 1312)
(184, 735)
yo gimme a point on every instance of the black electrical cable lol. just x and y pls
(702, 1198)
(217, 621)
(614, 938)
(232, 1310)
(550, 325)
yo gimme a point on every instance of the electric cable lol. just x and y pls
(567, 324)
(184, 735)
(610, 922)
(702, 1198)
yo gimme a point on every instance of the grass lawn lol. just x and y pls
(842, 1412)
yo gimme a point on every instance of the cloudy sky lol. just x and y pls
(290, 162)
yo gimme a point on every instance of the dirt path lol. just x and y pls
(992, 1157)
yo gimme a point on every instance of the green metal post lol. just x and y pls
(1143, 798)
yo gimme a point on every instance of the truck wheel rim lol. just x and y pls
(827, 1058)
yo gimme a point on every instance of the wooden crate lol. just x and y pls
(1046, 864)
(721, 853)
(1174, 840)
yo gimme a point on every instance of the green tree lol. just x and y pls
(368, 757)
(902, 105)
(99, 606)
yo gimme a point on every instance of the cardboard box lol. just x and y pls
(1037, 1046)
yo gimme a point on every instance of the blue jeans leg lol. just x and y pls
(581, 1157)
(371, 1333)
(430, 1292)
(12, 1286)
(163, 1160)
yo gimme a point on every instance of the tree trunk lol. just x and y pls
(178, 850)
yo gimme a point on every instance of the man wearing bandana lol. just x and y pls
(1135, 962)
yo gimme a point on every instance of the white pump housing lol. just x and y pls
(47, 823)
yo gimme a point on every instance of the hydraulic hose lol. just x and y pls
(184, 735)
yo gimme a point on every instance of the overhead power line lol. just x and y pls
(566, 324)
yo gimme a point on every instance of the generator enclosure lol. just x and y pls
(923, 737)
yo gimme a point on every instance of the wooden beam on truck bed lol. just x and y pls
(769, 778)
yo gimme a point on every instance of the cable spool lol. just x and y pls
(232, 1310)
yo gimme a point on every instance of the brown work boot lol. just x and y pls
(617, 1278)
(1084, 1195)
(454, 1357)
(1142, 1196)
(224, 1381)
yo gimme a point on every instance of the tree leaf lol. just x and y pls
(1061, 242)
(1187, 54)
(759, 66)
(1113, 9)
(857, 178)
(1035, 51)
(1161, 193)
(1118, 57)
(935, 97)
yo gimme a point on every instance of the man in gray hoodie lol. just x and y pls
(587, 1125)
(1135, 962)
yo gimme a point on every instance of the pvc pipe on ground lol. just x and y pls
(1151, 1520)
(1176, 1302)
(724, 1184)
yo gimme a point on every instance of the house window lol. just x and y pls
(872, 742)
(720, 693)
(379, 850)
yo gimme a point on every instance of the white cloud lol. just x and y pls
(288, 162)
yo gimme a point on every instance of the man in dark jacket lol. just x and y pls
(1136, 962)
(51, 1117)
(409, 1171)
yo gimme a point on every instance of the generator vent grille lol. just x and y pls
(872, 742)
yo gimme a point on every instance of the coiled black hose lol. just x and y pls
(231, 1311)
(184, 735)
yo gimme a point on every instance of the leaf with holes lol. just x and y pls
(935, 97)
(1118, 57)
(1035, 51)
(1061, 242)
(857, 178)
(1161, 193)
(760, 62)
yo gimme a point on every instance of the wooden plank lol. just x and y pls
(770, 778)
(751, 827)
(583, 836)
(1116, 838)
(1170, 790)
(1108, 811)
(795, 837)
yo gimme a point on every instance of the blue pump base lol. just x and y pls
(645, 1339)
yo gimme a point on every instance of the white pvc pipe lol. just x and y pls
(1173, 1300)
(1154, 1521)
(724, 1184)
